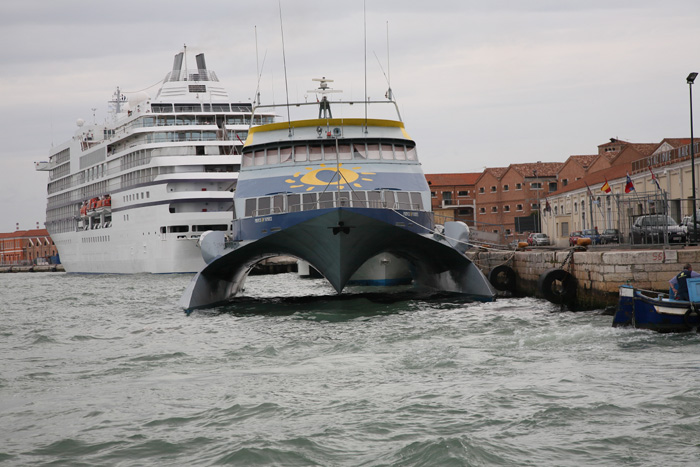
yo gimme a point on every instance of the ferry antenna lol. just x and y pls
(284, 61)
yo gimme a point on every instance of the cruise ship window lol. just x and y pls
(315, 153)
(286, 154)
(329, 153)
(400, 152)
(273, 156)
(344, 152)
(299, 153)
(360, 152)
(373, 151)
(387, 152)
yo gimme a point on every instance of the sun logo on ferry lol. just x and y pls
(335, 175)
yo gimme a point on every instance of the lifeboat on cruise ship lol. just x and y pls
(83, 209)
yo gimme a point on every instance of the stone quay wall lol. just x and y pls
(599, 273)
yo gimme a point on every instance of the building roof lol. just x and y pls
(544, 169)
(596, 179)
(452, 179)
(25, 233)
(584, 161)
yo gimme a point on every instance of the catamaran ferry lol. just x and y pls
(134, 194)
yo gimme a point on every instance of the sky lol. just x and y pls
(479, 84)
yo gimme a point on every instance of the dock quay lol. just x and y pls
(598, 271)
(32, 268)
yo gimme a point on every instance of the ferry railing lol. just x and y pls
(330, 204)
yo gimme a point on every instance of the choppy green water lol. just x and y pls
(106, 370)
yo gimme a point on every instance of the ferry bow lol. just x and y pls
(334, 192)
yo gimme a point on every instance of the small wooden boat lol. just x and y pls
(645, 309)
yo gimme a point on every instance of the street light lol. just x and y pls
(690, 80)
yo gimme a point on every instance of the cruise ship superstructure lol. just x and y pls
(133, 195)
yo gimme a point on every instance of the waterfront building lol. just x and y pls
(25, 247)
(452, 197)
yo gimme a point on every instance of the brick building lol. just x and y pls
(452, 196)
(25, 247)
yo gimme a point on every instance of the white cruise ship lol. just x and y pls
(134, 194)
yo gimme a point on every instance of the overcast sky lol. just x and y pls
(479, 83)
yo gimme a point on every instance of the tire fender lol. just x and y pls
(503, 278)
(557, 286)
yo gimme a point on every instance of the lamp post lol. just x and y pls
(691, 79)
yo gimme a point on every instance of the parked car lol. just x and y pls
(652, 228)
(592, 234)
(573, 237)
(610, 236)
(540, 239)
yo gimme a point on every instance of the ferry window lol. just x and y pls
(263, 206)
(400, 152)
(374, 199)
(329, 153)
(293, 203)
(344, 152)
(286, 154)
(411, 154)
(416, 201)
(359, 199)
(325, 200)
(343, 198)
(162, 229)
(315, 153)
(309, 202)
(403, 198)
(387, 152)
(299, 153)
(277, 204)
(249, 207)
(259, 157)
(178, 228)
(247, 159)
(373, 151)
(273, 156)
(389, 199)
(360, 152)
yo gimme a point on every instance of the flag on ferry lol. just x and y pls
(629, 186)
(654, 179)
(606, 187)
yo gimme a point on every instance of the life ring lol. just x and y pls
(503, 278)
(557, 286)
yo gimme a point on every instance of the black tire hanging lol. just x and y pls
(557, 286)
(503, 278)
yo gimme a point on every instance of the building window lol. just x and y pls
(534, 206)
(481, 189)
(506, 187)
(552, 187)
(565, 182)
(519, 207)
(482, 210)
(506, 208)
(463, 193)
(493, 189)
(463, 212)
(555, 210)
(494, 209)
(564, 229)
(507, 232)
(536, 186)
(518, 186)
(433, 194)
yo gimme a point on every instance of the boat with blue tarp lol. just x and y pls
(644, 309)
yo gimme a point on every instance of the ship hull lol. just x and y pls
(337, 242)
